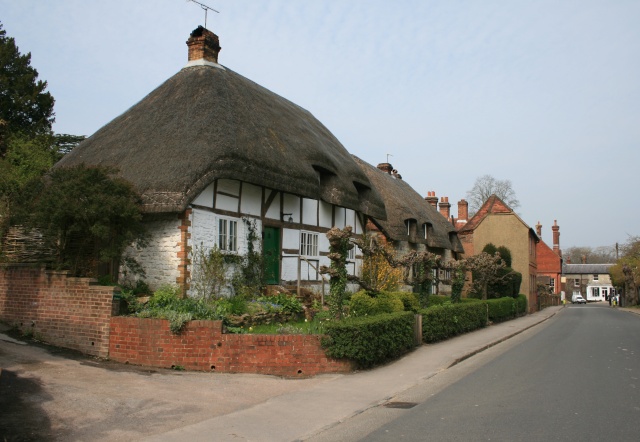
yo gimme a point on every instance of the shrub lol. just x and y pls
(521, 305)
(501, 309)
(370, 341)
(166, 303)
(437, 300)
(410, 301)
(287, 303)
(363, 304)
(444, 321)
(389, 303)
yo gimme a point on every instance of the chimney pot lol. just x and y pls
(432, 199)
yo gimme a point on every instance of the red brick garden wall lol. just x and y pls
(64, 311)
(202, 346)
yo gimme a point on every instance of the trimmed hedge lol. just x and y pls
(521, 305)
(441, 322)
(371, 340)
(502, 309)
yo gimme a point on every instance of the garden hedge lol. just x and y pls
(370, 340)
(444, 321)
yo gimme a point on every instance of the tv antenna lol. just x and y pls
(388, 155)
(206, 9)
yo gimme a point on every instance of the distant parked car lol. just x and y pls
(579, 300)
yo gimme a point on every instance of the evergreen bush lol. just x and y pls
(370, 340)
(444, 321)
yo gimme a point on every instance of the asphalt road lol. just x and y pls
(575, 378)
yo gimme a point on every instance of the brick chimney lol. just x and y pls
(432, 199)
(539, 229)
(204, 45)
(463, 211)
(556, 237)
(386, 167)
(584, 259)
(445, 207)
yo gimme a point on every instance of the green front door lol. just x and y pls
(271, 253)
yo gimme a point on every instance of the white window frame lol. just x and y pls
(309, 243)
(596, 277)
(228, 235)
(351, 256)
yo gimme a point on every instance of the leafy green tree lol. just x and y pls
(25, 106)
(85, 216)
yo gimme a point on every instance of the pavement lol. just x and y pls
(306, 413)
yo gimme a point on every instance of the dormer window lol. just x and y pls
(363, 190)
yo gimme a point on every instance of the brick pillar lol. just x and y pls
(184, 252)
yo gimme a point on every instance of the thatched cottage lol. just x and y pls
(214, 154)
(412, 223)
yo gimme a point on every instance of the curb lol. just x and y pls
(498, 341)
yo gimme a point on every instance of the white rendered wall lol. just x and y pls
(250, 203)
(326, 215)
(205, 198)
(310, 211)
(160, 258)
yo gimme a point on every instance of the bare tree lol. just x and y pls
(589, 255)
(484, 187)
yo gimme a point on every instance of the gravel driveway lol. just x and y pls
(48, 393)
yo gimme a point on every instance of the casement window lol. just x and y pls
(352, 254)
(424, 230)
(308, 244)
(552, 285)
(434, 281)
(576, 282)
(227, 235)
(595, 277)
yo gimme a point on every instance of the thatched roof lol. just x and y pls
(404, 203)
(208, 122)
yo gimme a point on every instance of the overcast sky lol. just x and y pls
(543, 93)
